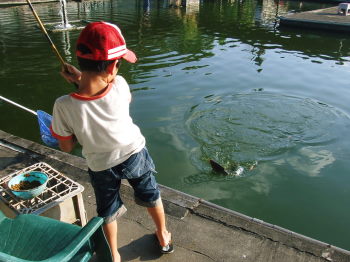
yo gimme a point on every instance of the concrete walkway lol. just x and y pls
(323, 19)
(202, 232)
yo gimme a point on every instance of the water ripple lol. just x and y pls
(242, 128)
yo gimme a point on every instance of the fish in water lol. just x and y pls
(238, 169)
(217, 167)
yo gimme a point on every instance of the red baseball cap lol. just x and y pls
(105, 41)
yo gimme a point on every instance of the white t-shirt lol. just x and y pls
(101, 124)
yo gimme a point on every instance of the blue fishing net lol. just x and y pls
(44, 120)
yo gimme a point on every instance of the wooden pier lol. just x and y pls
(5, 3)
(325, 19)
(173, 3)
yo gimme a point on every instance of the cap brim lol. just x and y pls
(130, 56)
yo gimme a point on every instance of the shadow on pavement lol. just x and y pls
(145, 248)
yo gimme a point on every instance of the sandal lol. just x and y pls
(168, 249)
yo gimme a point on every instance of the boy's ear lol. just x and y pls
(110, 67)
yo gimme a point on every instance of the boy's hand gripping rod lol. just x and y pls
(42, 27)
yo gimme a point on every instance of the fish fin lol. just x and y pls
(217, 167)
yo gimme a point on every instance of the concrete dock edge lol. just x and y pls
(202, 230)
(321, 19)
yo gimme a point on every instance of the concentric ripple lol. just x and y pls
(241, 129)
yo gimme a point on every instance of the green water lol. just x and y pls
(216, 81)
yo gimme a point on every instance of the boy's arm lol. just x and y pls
(67, 145)
(60, 129)
(71, 74)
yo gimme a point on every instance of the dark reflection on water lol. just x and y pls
(218, 80)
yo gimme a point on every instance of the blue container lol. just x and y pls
(29, 176)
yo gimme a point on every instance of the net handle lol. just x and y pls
(18, 105)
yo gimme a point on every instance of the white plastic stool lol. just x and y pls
(343, 8)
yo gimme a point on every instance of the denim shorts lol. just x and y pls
(138, 169)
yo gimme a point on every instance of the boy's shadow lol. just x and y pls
(145, 248)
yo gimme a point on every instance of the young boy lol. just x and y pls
(97, 117)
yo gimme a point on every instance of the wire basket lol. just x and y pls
(59, 188)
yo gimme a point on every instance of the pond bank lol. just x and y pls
(324, 19)
(201, 230)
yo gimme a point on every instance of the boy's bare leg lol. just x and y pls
(158, 216)
(111, 230)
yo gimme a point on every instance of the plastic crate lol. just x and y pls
(62, 198)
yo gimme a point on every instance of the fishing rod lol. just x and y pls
(49, 39)
(42, 27)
